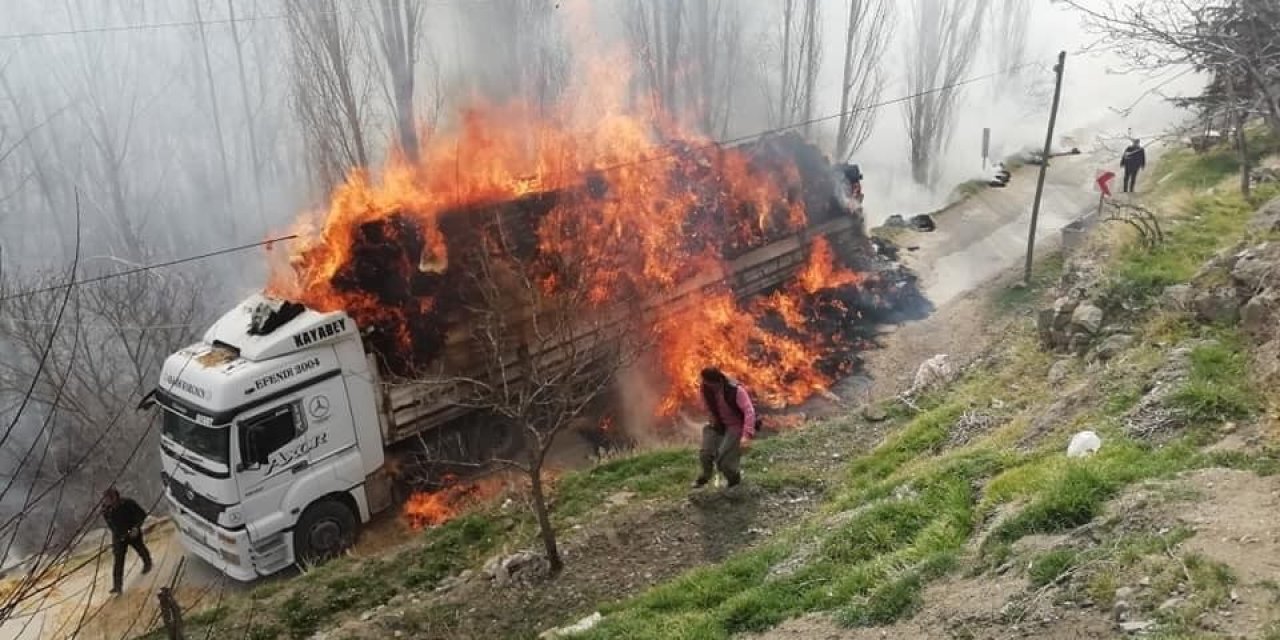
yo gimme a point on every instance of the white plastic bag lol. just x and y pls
(1083, 444)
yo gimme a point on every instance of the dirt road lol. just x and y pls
(979, 246)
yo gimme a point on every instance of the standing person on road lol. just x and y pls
(732, 417)
(1133, 160)
(124, 518)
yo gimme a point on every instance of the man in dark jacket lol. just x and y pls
(124, 518)
(732, 417)
(1133, 160)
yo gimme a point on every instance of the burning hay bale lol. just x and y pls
(404, 262)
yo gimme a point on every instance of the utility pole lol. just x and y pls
(1044, 166)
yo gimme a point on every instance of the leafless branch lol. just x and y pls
(866, 38)
(945, 37)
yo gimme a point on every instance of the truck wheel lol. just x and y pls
(324, 531)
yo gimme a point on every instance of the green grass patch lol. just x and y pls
(868, 564)
(1063, 493)
(1140, 274)
(1218, 388)
(1044, 274)
(1049, 566)
(923, 435)
(652, 474)
(1199, 171)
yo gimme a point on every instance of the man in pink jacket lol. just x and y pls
(732, 418)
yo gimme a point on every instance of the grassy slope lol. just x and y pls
(892, 521)
(906, 513)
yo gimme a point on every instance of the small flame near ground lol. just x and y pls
(426, 509)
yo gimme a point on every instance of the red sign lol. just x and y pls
(1104, 182)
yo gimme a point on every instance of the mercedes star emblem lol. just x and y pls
(318, 407)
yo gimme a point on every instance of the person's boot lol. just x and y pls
(146, 568)
(115, 591)
(733, 479)
(701, 481)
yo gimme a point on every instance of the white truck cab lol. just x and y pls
(270, 439)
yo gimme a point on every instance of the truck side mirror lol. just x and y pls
(147, 401)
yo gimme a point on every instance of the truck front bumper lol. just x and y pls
(227, 551)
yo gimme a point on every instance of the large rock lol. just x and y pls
(1258, 317)
(1087, 317)
(1256, 268)
(1059, 372)
(933, 373)
(1063, 308)
(1069, 325)
(1112, 346)
(1178, 297)
(1218, 304)
(1266, 218)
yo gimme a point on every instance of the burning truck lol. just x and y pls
(280, 426)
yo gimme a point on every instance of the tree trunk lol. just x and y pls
(217, 121)
(547, 532)
(785, 96)
(249, 123)
(1242, 142)
(811, 53)
(843, 132)
(399, 45)
(1242, 145)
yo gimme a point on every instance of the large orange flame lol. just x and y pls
(779, 366)
(653, 212)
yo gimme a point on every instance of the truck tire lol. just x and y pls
(325, 530)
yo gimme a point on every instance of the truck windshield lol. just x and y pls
(211, 443)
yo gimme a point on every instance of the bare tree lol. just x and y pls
(329, 103)
(655, 28)
(546, 352)
(517, 51)
(1240, 38)
(250, 123)
(114, 337)
(399, 37)
(108, 104)
(799, 62)
(866, 37)
(690, 55)
(944, 39)
(715, 39)
(1010, 35)
(227, 190)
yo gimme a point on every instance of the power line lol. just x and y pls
(150, 26)
(112, 327)
(812, 121)
(185, 24)
(149, 267)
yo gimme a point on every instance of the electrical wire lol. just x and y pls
(150, 267)
(185, 24)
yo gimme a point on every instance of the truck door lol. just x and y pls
(263, 473)
(289, 442)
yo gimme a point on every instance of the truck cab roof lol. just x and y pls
(260, 349)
